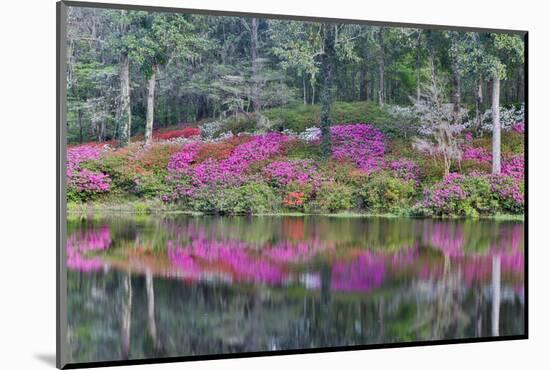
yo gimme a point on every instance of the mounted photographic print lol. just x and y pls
(234, 184)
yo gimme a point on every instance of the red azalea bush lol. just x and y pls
(186, 132)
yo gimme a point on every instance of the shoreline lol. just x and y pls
(142, 208)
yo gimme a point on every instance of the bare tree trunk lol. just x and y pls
(312, 91)
(495, 315)
(418, 71)
(80, 128)
(327, 75)
(125, 109)
(126, 317)
(304, 87)
(254, 55)
(479, 102)
(102, 129)
(456, 95)
(381, 68)
(150, 106)
(496, 125)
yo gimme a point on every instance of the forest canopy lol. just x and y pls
(187, 68)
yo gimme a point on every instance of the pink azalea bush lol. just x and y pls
(519, 128)
(405, 169)
(298, 170)
(360, 143)
(83, 183)
(231, 171)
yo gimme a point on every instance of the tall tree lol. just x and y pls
(165, 38)
(381, 66)
(125, 119)
(327, 77)
(499, 49)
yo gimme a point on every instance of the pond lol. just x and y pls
(158, 286)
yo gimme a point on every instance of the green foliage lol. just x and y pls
(248, 198)
(299, 117)
(150, 186)
(384, 192)
(333, 197)
(512, 143)
(298, 149)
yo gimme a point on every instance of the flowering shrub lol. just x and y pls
(359, 143)
(405, 169)
(519, 128)
(186, 132)
(514, 166)
(310, 134)
(479, 154)
(182, 160)
(83, 183)
(472, 195)
(294, 199)
(283, 172)
(217, 172)
(509, 117)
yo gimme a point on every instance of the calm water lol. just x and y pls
(177, 286)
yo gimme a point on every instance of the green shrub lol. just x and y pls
(386, 193)
(245, 123)
(299, 117)
(431, 171)
(334, 197)
(150, 186)
(298, 149)
(468, 166)
(244, 199)
(513, 143)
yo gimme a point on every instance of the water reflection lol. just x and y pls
(199, 285)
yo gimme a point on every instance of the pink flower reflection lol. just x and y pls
(362, 274)
(83, 242)
(234, 257)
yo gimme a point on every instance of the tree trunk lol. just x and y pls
(479, 102)
(456, 94)
(312, 91)
(125, 110)
(364, 84)
(102, 129)
(80, 128)
(381, 68)
(254, 55)
(496, 125)
(150, 106)
(327, 72)
(304, 87)
(418, 72)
